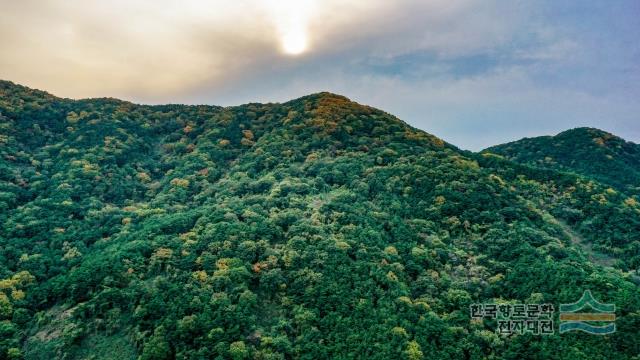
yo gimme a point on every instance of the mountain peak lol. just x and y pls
(11, 89)
(586, 151)
(586, 131)
(324, 95)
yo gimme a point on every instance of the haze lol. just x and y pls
(476, 73)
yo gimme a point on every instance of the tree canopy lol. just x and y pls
(317, 228)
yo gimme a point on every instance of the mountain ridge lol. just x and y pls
(315, 228)
(314, 96)
(586, 151)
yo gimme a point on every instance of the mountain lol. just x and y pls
(316, 228)
(585, 151)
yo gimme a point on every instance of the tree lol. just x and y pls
(157, 347)
(238, 350)
(413, 351)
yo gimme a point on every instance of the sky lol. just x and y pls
(475, 73)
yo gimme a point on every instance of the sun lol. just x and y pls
(294, 43)
(291, 19)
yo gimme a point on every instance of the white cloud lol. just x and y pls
(142, 50)
(538, 76)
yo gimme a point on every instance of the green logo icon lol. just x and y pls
(600, 321)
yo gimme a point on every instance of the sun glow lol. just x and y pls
(294, 43)
(291, 19)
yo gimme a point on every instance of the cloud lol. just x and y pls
(81, 48)
(154, 50)
(473, 72)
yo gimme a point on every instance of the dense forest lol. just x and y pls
(312, 229)
(590, 152)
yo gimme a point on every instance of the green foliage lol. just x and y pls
(585, 151)
(317, 228)
(608, 170)
(156, 347)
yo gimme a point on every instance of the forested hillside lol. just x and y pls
(585, 151)
(313, 229)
